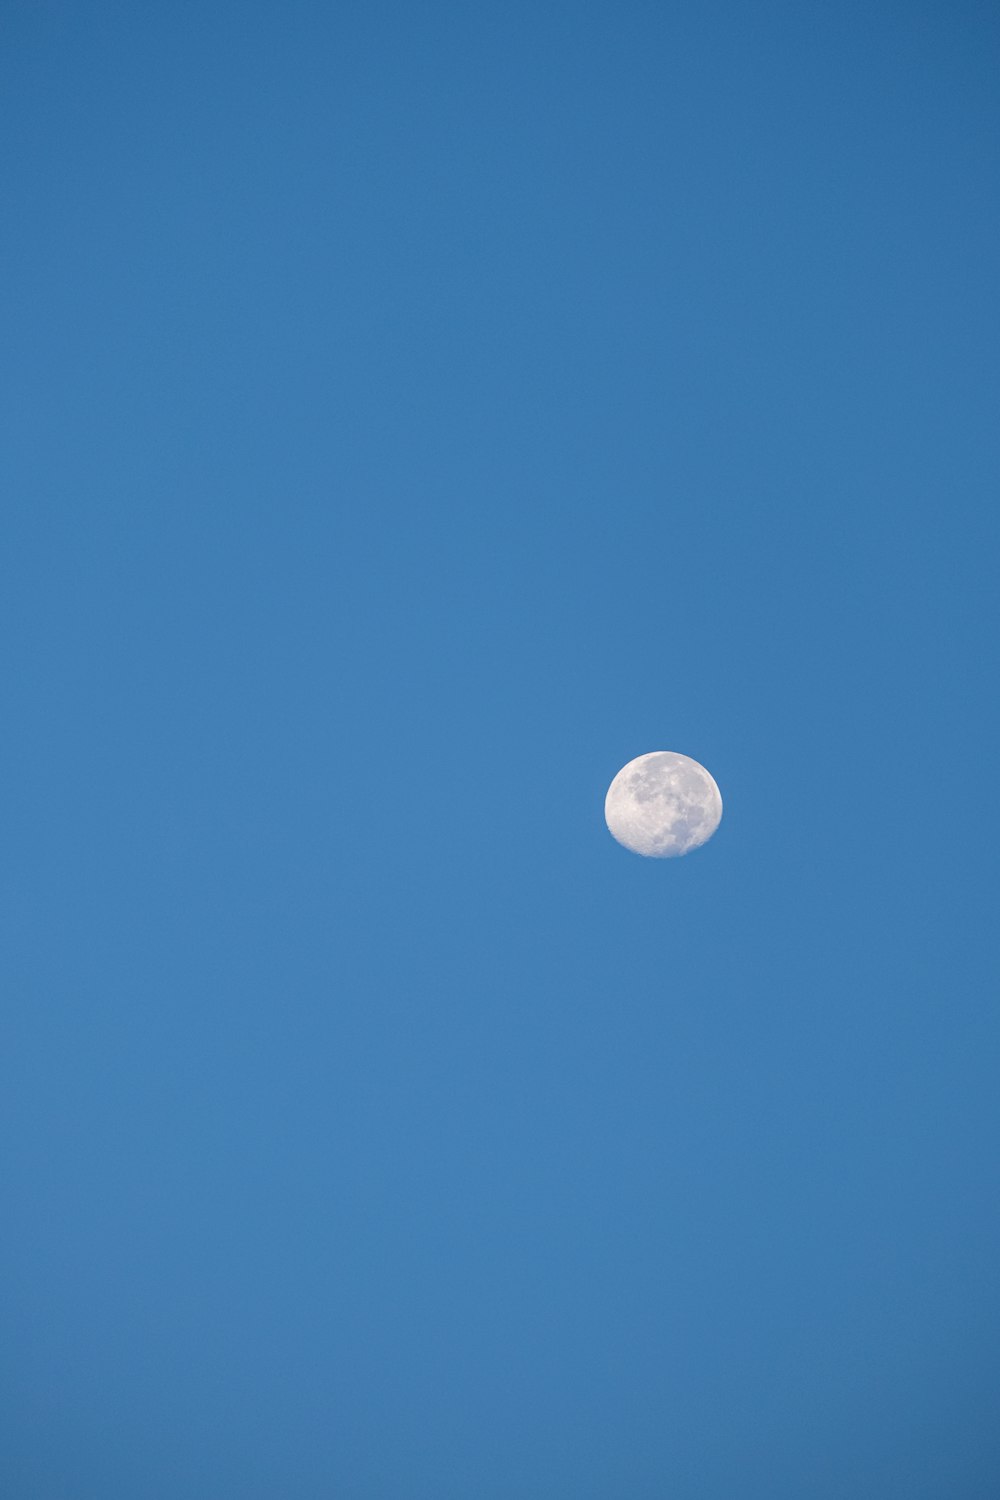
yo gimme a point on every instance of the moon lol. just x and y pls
(662, 805)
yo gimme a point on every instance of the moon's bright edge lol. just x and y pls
(662, 805)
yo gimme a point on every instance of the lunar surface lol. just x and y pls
(663, 804)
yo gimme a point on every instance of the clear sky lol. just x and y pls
(412, 413)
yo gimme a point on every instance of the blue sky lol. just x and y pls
(413, 414)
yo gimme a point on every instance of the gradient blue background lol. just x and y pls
(412, 414)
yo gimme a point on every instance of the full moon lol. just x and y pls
(663, 804)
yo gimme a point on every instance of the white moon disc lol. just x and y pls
(663, 804)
